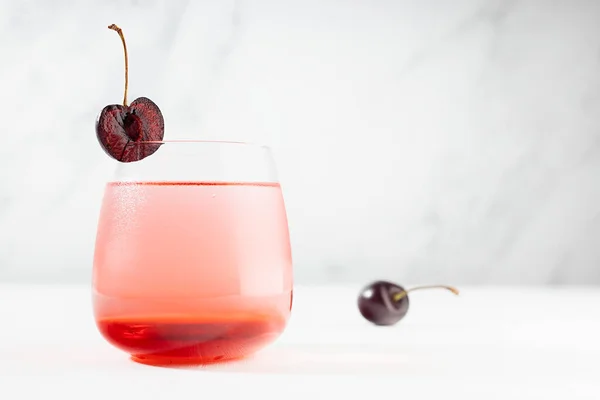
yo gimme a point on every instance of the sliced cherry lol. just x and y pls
(121, 129)
(386, 303)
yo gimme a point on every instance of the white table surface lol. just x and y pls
(487, 343)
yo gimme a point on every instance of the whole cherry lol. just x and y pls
(385, 303)
(122, 129)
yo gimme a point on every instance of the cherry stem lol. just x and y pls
(120, 32)
(400, 295)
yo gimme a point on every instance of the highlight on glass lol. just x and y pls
(192, 262)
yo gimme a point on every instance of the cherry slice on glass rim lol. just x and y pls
(122, 129)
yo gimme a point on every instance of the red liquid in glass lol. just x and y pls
(192, 272)
(183, 342)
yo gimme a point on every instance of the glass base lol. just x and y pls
(185, 342)
(166, 361)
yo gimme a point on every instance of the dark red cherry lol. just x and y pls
(385, 303)
(121, 128)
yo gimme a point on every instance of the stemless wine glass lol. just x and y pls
(192, 263)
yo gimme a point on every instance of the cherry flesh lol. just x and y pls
(385, 303)
(122, 129)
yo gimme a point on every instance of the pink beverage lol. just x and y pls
(192, 272)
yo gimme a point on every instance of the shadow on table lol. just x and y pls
(331, 359)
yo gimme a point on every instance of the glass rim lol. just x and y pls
(201, 141)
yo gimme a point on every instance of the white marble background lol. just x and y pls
(417, 140)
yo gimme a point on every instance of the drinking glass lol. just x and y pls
(192, 262)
